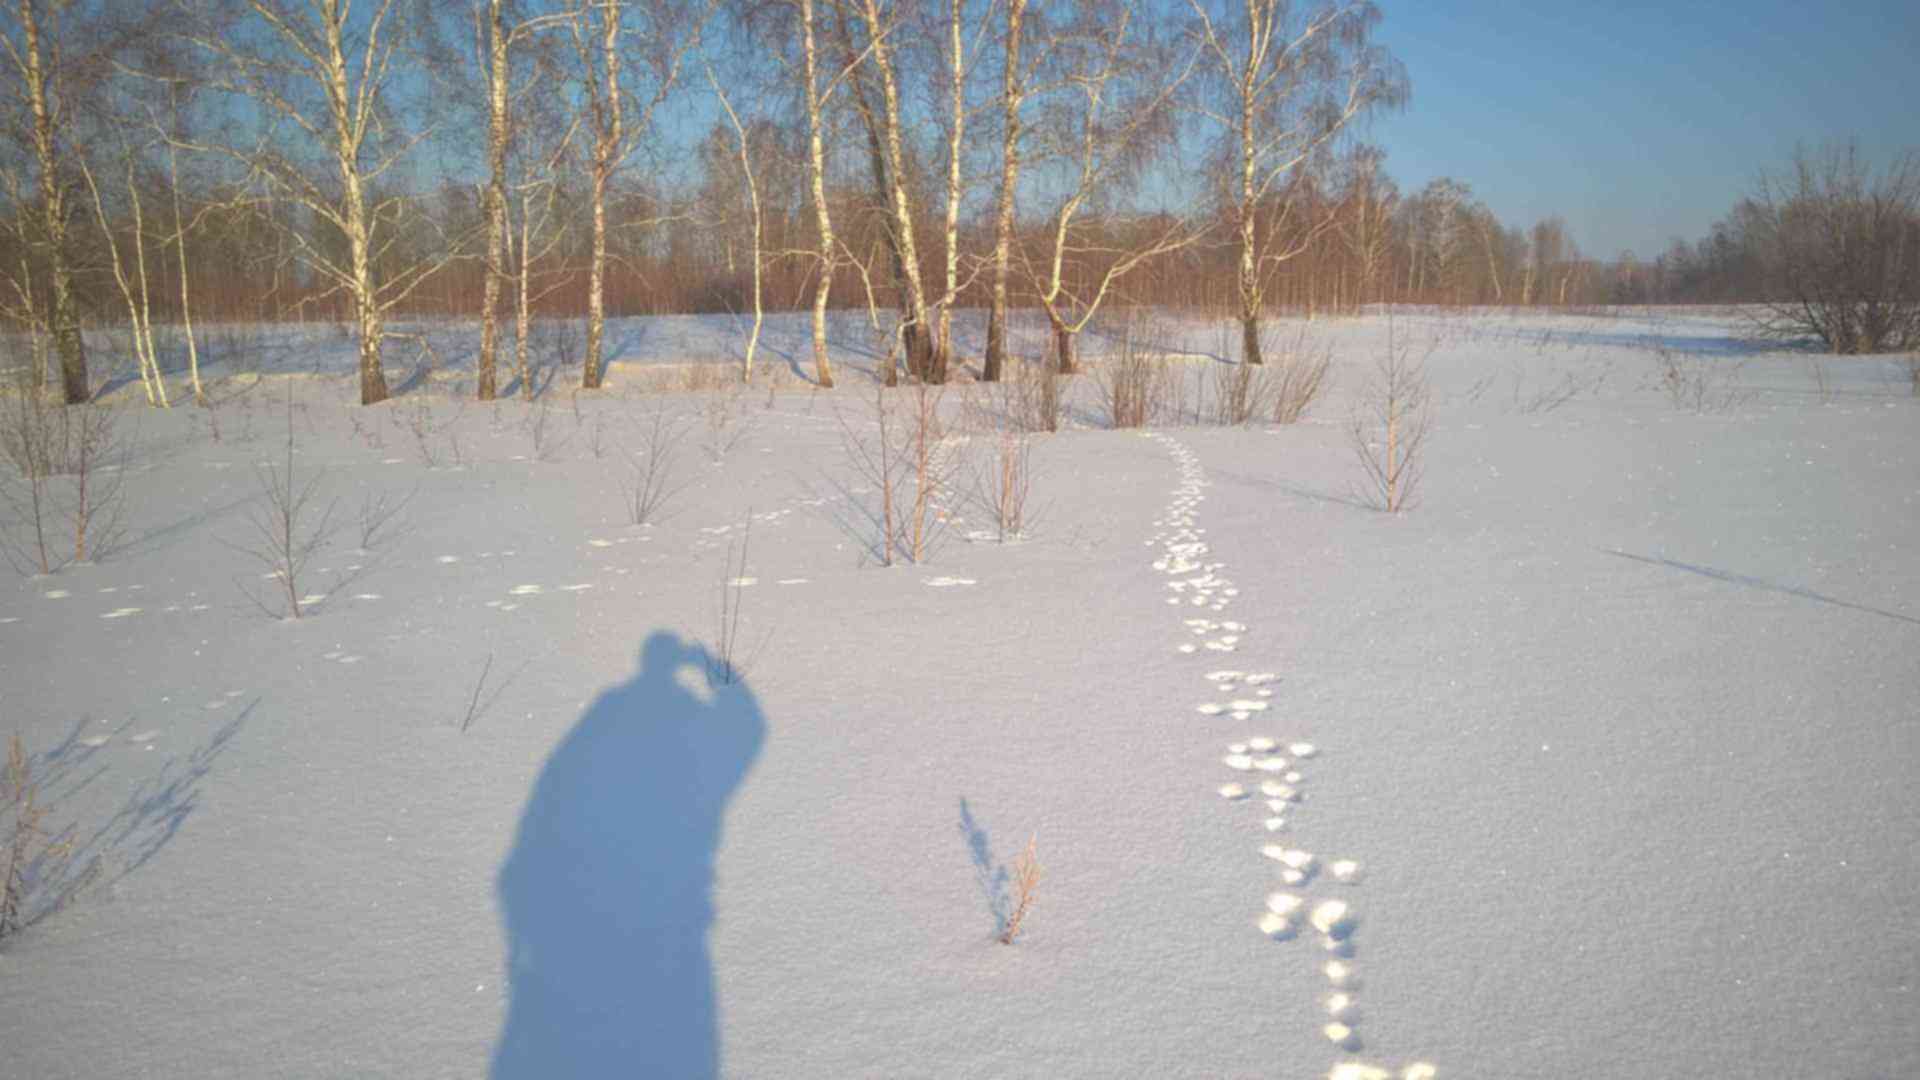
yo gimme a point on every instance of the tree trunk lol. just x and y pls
(920, 353)
(523, 302)
(877, 167)
(943, 338)
(180, 249)
(65, 316)
(816, 176)
(1009, 178)
(605, 157)
(496, 200)
(1249, 255)
(1063, 348)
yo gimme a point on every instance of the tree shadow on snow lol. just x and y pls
(606, 895)
(1762, 584)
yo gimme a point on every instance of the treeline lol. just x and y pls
(172, 161)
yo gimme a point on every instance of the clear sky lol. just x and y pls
(1639, 122)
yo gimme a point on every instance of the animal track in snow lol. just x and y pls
(1193, 579)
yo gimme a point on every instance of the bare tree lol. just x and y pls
(1842, 250)
(130, 268)
(815, 97)
(495, 39)
(753, 212)
(1111, 114)
(887, 160)
(1013, 89)
(1284, 82)
(618, 118)
(1367, 226)
(958, 67)
(327, 75)
(33, 44)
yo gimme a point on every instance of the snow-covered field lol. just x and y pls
(1600, 762)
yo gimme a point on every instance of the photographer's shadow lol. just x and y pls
(606, 895)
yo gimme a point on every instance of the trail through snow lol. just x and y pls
(1191, 576)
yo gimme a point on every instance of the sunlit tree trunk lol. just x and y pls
(496, 199)
(1012, 93)
(64, 318)
(817, 183)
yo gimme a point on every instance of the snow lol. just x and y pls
(1622, 712)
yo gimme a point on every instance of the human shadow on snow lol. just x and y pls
(606, 895)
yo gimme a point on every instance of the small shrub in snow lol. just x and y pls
(1389, 428)
(1134, 385)
(1026, 888)
(1697, 383)
(649, 482)
(34, 861)
(288, 531)
(1003, 487)
(1241, 392)
(66, 477)
(1299, 366)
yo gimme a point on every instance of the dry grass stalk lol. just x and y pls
(1026, 888)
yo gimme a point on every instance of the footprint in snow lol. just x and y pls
(949, 582)
(121, 613)
(56, 594)
(524, 590)
(447, 559)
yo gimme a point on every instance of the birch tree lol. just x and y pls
(754, 220)
(1013, 88)
(1283, 82)
(325, 74)
(499, 27)
(879, 108)
(956, 52)
(33, 42)
(815, 97)
(1109, 117)
(620, 116)
(1366, 224)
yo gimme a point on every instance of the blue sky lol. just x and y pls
(1639, 122)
